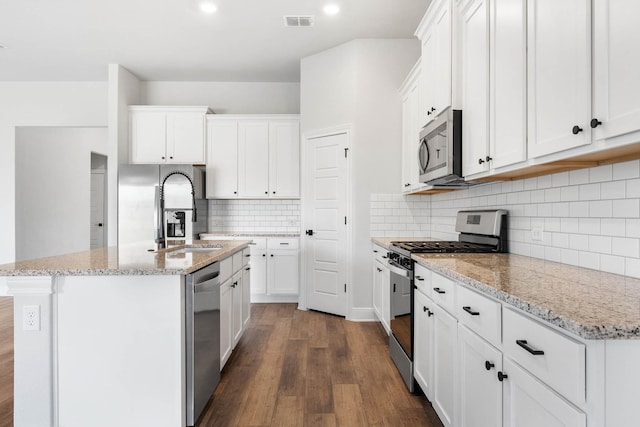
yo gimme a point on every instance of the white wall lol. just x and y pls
(53, 197)
(39, 104)
(226, 97)
(357, 83)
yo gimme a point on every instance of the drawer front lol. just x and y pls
(246, 254)
(480, 314)
(237, 261)
(277, 243)
(380, 254)
(557, 360)
(258, 243)
(226, 269)
(422, 279)
(443, 292)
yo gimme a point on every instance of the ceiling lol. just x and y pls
(245, 40)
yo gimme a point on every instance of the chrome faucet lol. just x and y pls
(160, 237)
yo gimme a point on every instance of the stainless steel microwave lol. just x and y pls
(440, 150)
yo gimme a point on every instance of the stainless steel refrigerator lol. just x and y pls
(139, 198)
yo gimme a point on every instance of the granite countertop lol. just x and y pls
(127, 260)
(589, 303)
(250, 234)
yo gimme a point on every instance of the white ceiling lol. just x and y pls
(172, 40)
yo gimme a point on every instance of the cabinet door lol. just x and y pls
(427, 80)
(284, 159)
(480, 392)
(258, 272)
(616, 67)
(246, 296)
(377, 289)
(225, 322)
(442, 64)
(148, 137)
(508, 82)
(423, 343)
(406, 143)
(559, 78)
(282, 270)
(236, 317)
(222, 159)
(475, 86)
(253, 155)
(185, 138)
(444, 357)
(529, 403)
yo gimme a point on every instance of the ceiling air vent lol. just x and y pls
(298, 21)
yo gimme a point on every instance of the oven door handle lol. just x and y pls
(399, 271)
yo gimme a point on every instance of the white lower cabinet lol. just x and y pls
(475, 376)
(529, 403)
(381, 287)
(236, 301)
(275, 270)
(246, 296)
(480, 391)
(226, 309)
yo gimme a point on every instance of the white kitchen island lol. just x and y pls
(106, 346)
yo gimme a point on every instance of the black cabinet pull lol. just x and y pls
(407, 185)
(264, 254)
(424, 308)
(247, 269)
(488, 365)
(440, 291)
(248, 255)
(480, 161)
(502, 376)
(428, 113)
(471, 312)
(526, 346)
(379, 269)
(433, 109)
(384, 257)
(394, 287)
(595, 123)
(171, 157)
(375, 252)
(576, 130)
(309, 232)
(430, 313)
(419, 278)
(271, 255)
(488, 159)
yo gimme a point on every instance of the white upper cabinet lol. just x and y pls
(410, 92)
(508, 82)
(559, 78)
(435, 34)
(616, 68)
(284, 159)
(222, 159)
(474, 40)
(253, 157)
(167, 134)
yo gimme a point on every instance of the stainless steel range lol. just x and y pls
(481, 231)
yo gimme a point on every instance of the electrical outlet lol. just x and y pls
(31, 318)
(536, 234)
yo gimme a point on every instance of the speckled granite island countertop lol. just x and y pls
(127, 260)
(589, 303)
(248, 234)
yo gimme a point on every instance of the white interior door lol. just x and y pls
(325, 208)
(98, 226)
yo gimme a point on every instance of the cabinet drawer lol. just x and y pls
(422, 279)
(480, 314)
(380, 254)
(555, 359)
(214, 237)
(226, 269)
(246, 253)
(443, 292)
(258, 243)
(277, 243)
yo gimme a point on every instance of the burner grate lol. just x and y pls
(443, 246)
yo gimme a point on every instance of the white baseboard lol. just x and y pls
(259, 298)
(359, 314)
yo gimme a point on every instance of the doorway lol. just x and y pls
(98, 201)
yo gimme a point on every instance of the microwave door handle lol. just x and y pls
(423, 166)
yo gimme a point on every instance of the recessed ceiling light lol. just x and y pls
(331, 9)
(208, 7)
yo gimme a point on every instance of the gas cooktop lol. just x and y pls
(442, 246)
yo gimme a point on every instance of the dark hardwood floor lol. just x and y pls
(296, 368)
(6, 361)
(291, 368)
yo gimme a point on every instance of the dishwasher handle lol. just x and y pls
(207, 285)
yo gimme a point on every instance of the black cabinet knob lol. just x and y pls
(502, 376)
(407, 185)
(424, 308)
(480, 161)
(309, 232)
(271, 255)
(266, 192)
(264, 254)
(235, 192)
(274, 192)
(171, 157)
(488, 159)
(428, 113)
(430, 313)
(162, 157)
(488, 365)
(433, 109)
(99, 224)
(576, 130)
(595, 123)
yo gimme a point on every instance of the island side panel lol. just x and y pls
(120, 350)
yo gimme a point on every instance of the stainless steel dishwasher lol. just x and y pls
(202, 326)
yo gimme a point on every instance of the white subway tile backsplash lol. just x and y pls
(590, 192)
(254, 216)
(613, 190)
(626, 208)
(626, 170)
(600, 244)
(600, 209)
(627, 247)
(601, 173)
(580, 176)
(612, 264)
